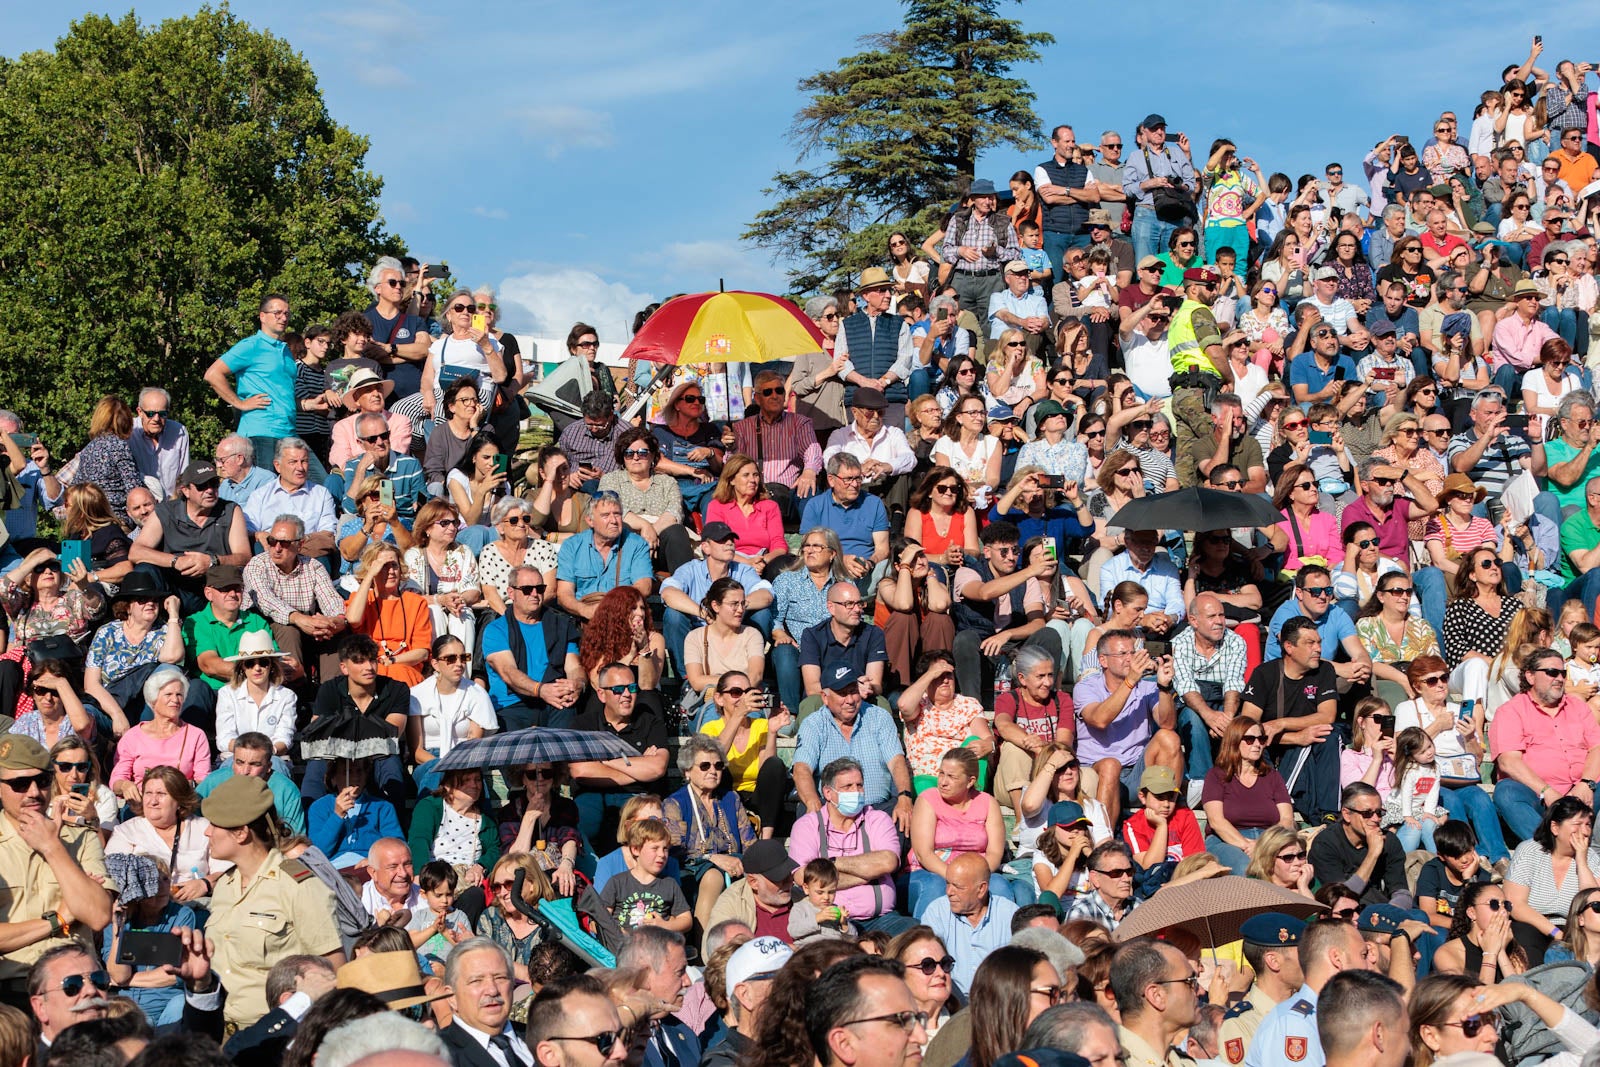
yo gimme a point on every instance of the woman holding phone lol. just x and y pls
(479, 481)
(465, 348)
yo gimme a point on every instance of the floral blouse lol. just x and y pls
(460, 571)
(107, 461)
(937, 731)
(1255, 329)
(662, 498)
(115, 655)
(1355, 281)
(1425, 465)
(29, 621)
(1418, 640)
(1443, 160)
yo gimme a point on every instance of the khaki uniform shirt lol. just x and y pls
(28, 889)
(1239, 1025)
(1140, 1054)
(278, 914)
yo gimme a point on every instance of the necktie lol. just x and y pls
(503, 1043)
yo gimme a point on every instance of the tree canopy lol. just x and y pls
(158, 181)
(896, 133)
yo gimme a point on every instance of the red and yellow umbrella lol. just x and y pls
(734, 327)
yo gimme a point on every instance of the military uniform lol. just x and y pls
(1195, 379)
(1288, 1034)
(284, 910)
(29, 888)
(1273, 930)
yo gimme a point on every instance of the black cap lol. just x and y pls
(1153, 121)
(224, 576)
(1381, 328)
(840, 676)
(718, 531)
(198, 473)
(769, 859)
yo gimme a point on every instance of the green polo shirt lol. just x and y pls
(204, 632)
(1578, 534)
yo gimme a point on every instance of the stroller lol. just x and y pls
(582, 924)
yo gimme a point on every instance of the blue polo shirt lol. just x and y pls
(1334, 627)
(261, 365)
(872, 743)
(1303, 370)
(819, 648)
(497, 638)
(579, 562)
(968, 944)
(855, 524)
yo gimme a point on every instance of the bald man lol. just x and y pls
(969, 921)
(1208, 662)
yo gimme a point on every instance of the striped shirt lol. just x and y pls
(1531, 866)
(1225, 667)
(873, 743)
(1500, 460)
(784, 448)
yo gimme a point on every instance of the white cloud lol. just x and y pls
(697, 266)
(564, 126)
(547, 302)
(382, 76)
(498, 214)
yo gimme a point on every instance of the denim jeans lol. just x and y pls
(1196, 743)
(1519, 807)
(1055, 248)
(1413, 837)
(786, 675)
(1472, 805)
(1150, 235)
(1233, 857)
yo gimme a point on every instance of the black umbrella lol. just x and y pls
(347, 736)
(1196, 509)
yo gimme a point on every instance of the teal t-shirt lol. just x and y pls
(261, 365)
(1559, 451)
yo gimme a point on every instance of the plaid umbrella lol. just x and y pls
(1213, 908)
(137, 876)
(537, 744)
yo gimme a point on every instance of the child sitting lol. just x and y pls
(1444, 878)
(817, 916)
(1094, 288)
(437, 925)
(1572, 613)
(1161, 830)
(1412, 809)
(1583, 666)
(640, 896)
(1329, 462)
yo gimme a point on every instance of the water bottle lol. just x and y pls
(1002, 679)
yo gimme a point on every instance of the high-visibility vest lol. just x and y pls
(1181, 344)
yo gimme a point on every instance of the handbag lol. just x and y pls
(1456, 771)
(1173, 204)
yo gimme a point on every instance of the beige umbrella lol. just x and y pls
(1213, 908)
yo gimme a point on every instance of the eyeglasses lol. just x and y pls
(970, 411)
(773, 390)
(618, 690)
(1435, 679)
(73, 984)
(908, 1021)
(1473, 1025)
(636, 453)
(453, 658)
(282, 542)
(603, 1042)
(1495, 904)
(1192, 982)
(1292, 857)
(1365, 813)
(947, 964)
(709, 765)
(1054, 994)
(846, 604)
(375, 438)
(848, 479)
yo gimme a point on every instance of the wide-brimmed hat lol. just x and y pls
(873, 278)
(139, 585)
(257, 644)
(1526, 286)
(1463, 485)
(362, 378)
(392, 977)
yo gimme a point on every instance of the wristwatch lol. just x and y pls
(57, 929)
(908, 794)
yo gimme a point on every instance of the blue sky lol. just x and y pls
(587, 158)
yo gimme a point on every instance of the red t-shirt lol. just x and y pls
(1038, 720)
(1183, 834)
(773, 924)
(1442, 246)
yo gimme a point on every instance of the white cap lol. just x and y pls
(758, 958)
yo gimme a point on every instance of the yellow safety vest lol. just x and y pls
(1181, 343)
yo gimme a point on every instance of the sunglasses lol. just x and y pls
(461, 307)
(497, 886)
(153, 414)
(540, 774)
(1488, 564)
(282, 542)
(1253, 739)
(452, 523)
(1473, 1025)
(618, 690)
(67, 768)
(1344, 914)
(943, 489)
(1228, 485)
(1397, 590)
(774, 390)
(453, 658)
(695, 399)
(603, 1042)
(43, 691)
(1117, 872)
(587, 344)
(73, 984)
(251, 664)
(734, 691)
(1366, 542)
(709, 765)
(1365, 813)
(375, 438)
(1292, 857)
(1548, 672)
(1379, 480)
(636, 453)
(1294, 424)
(22, 785)
(1495, 904)
(527, 590)
(1435, 679)
(947, 964)
(1094, 433)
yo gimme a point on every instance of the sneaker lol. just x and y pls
(1196, 787)
(1500, 869)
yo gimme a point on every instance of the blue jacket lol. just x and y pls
(372, 819)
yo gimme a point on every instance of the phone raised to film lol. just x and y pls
(1321, 437)
(74, 551)
(386, 492)
(142, 949)
(1517, 424)
(1051, 481)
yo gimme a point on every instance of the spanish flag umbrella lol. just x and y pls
(734, 327)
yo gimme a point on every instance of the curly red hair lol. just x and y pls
(609, 635)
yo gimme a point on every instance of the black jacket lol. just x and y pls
(263, 1042)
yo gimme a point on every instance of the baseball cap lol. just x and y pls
(1067, 813)
(840, 676)
(1150, 261)
(1153, 121)
(1325, 274)
(1158, 780)
(756, 960)
(769, 859)
(1016, 266)
(198, 473)
(718, 531)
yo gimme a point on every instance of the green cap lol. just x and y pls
(19, 752)
(239, 801)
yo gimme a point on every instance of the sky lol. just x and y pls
(586, 159)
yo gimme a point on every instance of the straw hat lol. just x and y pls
(392, 977)
(257, 644)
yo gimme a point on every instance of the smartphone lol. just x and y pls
(74, 552)
(1517, 424)
(25, 441)
(82, 789)
(1051, 481)
(943, 315)
(1050, 550)
(1383, 374)
(142, 949)
(502, 464)
(436, 270)
(386, 493)
(480, 321)
(1338, 374)
(1157, 649)
(1467, 708)
(1537, 39)
(1321, 437)
(1385, 724)
(1336, 214)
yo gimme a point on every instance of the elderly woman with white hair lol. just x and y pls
(465, 348)
(516, 546)
(402, 339)
(162, 741)
(708, 825)
(817, 379)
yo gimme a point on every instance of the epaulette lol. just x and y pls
(1238, 1010)
(1303, 1007)
(297, 870)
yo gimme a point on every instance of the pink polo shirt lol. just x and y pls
(1517, 344)
(862, 901)
(1554, 747)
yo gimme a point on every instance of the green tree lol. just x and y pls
(158, 181)
(897, 132)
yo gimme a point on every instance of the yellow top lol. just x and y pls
(745, 764)
(28, 889)
(1193, 330)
